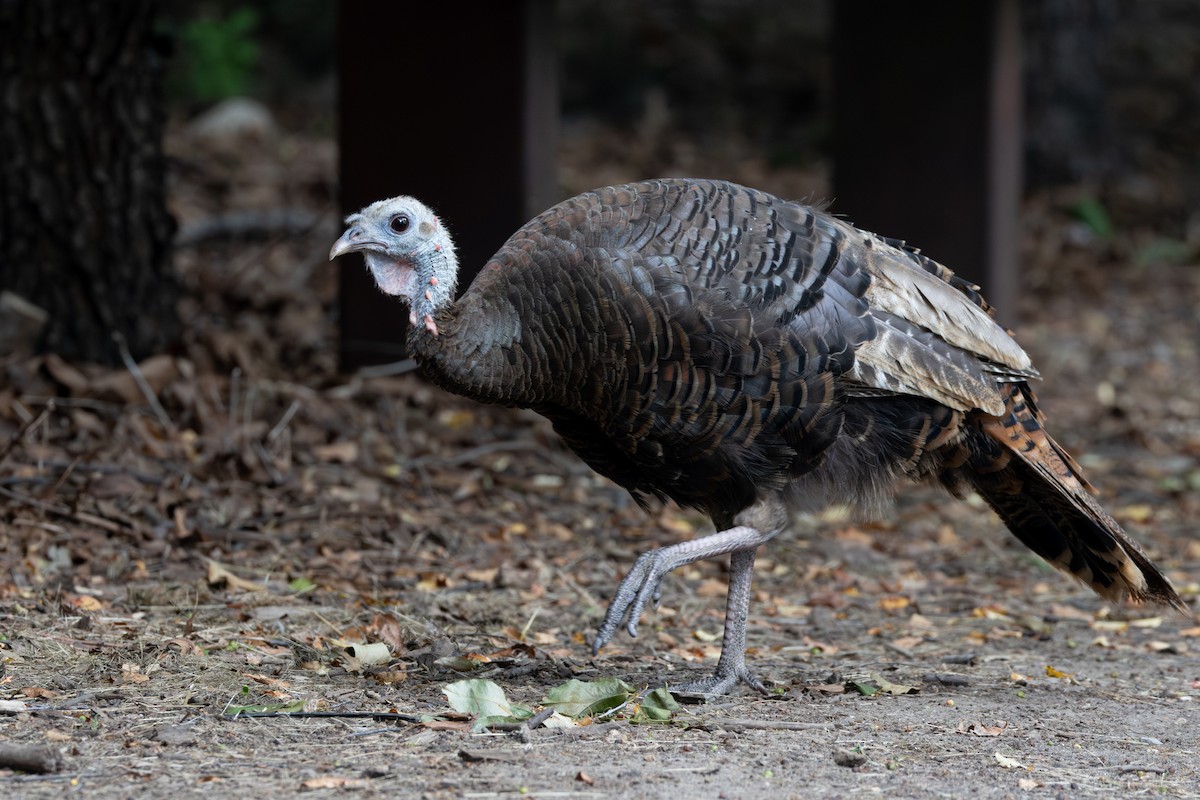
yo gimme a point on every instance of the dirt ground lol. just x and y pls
(214, 538)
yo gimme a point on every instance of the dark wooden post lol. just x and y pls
(452, 104)
(927, 119)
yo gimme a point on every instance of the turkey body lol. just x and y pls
(714, 345)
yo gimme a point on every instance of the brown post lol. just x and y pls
(455, 105)
(927, 119)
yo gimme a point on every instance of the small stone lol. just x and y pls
(176, 735)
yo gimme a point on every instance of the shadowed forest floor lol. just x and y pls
(217, 547)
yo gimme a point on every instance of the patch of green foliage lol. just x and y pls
(573, 701)
(1092, 213)
(219, 55)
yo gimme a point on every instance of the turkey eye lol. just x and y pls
(399, 223)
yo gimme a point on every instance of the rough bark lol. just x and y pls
(84, 229)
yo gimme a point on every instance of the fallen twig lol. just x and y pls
(99, 469)
(739, 724)
(540, 717)
(508, 756)
(281, 426)
(469, 455)
(583, 731)
(140, 379)
(960, 658)
(20, 434)
(81, 517)
(388, 370)
(378, 716)
(37, 758)
(947, 678)
(250, 223)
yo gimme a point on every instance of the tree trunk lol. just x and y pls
(84, 229)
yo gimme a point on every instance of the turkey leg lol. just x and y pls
(731, 667)
(642, 585)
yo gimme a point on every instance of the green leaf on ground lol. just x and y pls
(871, 685)
(656, 706)
(301, 584)
(486, 700)
(577, 698)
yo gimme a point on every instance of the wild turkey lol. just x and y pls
(744, 355)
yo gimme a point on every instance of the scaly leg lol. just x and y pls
(731, 667)
(642, 583)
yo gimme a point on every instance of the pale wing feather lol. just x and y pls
(931, 340)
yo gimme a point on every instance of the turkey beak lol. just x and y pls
(352, 241)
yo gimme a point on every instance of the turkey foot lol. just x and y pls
(731, 668)
(718, 683)
(642, 585)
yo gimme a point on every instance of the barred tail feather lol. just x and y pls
(1038, 491)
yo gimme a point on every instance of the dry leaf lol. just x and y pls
(487, 575)
(184, 646)
(991, 612)
(919, 622)
(813, 646)
(266, 680)
(979, 729)
(345, 452)
(66, 375)
(447, 725)
(218, 574)
(333, 782)
(791, 611)
(390, 677)
(387, 628)
(116, 484)
(85, 603)
(456, 418)
(711, 587)
(1063, 611)
(158, 371)
(908, 642)
(827, 688)
(132, 673)
(1135, 513)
